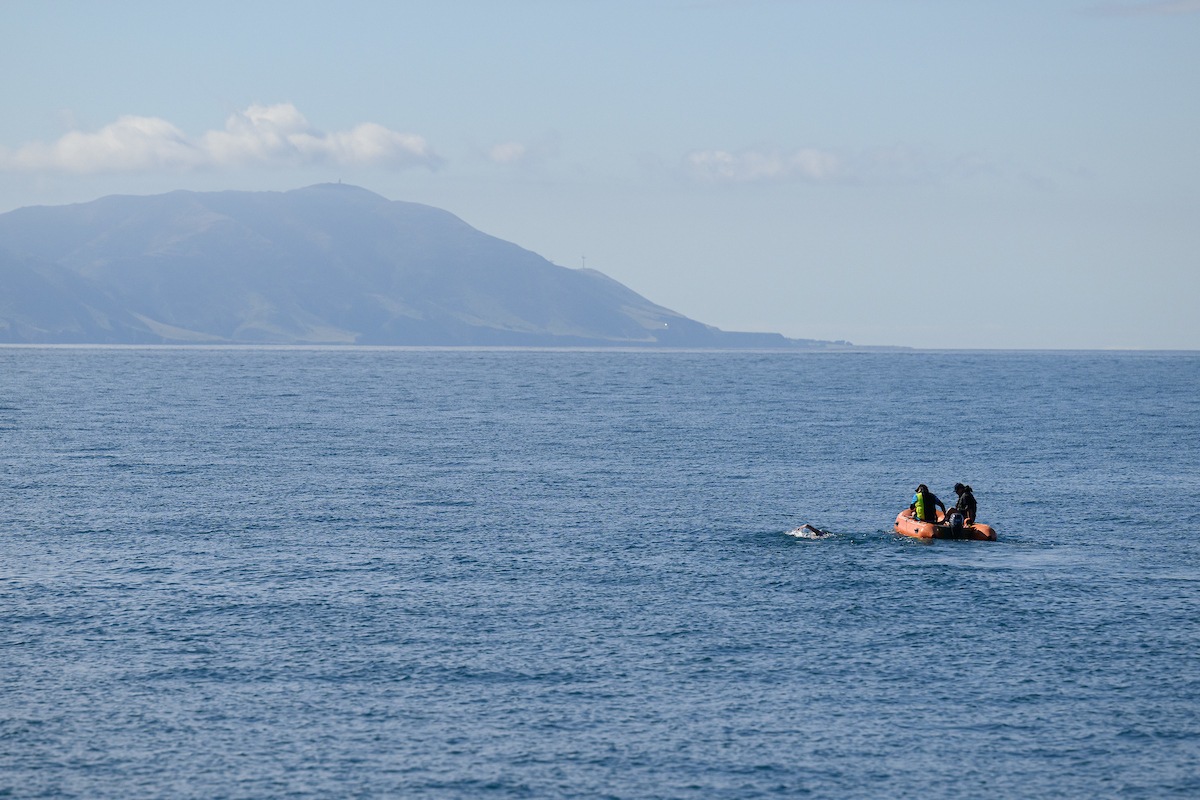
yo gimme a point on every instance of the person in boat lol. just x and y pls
(966, 502)
(923, 504)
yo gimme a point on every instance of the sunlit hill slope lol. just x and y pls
(327, 264)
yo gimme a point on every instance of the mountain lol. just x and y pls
(329, 264)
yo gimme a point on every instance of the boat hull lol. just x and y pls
(908, 525)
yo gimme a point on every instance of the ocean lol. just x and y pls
(361, 573)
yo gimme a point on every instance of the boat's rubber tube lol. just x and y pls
(909, 525)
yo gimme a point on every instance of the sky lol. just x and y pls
(1002, 174)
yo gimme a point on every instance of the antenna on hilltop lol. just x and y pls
(584, 258)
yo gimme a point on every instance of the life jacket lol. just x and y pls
(922, 507)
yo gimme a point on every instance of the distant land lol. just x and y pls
(327, 264)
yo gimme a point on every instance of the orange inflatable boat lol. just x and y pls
(908, 525)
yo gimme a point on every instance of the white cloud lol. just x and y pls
(276, 135)
(523, 155)
(508, 153)
(876, 166)
(131, 144)
(750, 166)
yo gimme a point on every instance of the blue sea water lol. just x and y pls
(261, 573)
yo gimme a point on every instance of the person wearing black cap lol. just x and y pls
(966, 502)
(923, 503)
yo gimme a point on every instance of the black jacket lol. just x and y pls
(966, 504)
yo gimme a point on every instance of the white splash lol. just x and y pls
(807, 531)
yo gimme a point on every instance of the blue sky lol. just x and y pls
(930, 173)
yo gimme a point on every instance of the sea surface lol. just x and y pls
(361, 573)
